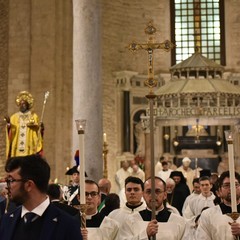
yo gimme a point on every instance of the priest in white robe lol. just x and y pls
(106, 231)
(194, 194)
(188, 172)
(203, 200)
(98, 227)
(215, 223)
(122, 174)
(135, 202)
(166, 226)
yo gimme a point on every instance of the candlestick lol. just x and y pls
(80, 128)
(229, 139)
(105, 152)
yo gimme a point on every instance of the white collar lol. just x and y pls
(39, 210)
(90, 216)
(157, 211)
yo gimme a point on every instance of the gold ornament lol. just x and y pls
(25, 96)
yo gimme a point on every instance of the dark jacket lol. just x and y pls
(57, 225)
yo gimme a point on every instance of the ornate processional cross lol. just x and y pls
(150, 46)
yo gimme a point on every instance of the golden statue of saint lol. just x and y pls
(24, 133)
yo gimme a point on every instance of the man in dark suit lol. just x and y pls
(27, 181)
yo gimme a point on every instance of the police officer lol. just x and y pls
(70, 194)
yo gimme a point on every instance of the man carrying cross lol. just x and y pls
(150, 46)
(166, 225)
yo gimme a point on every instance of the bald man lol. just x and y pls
(104, 189)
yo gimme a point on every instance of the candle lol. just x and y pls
(196, 167)
(232, 178)
(67, 176)
(82, 169)
(231, 170)
(81, 124)
(105, 137)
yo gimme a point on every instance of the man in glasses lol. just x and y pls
(98, 226)
(166, 226)
(94, 218)
(36, 218)
(215, 222)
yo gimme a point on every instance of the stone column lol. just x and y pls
(87, 83)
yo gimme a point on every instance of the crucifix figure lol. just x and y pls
(150, 46)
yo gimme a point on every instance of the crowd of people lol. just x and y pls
(34, 208)
(183, 205)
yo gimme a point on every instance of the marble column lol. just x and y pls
(87, 82)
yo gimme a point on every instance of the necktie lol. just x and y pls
(29, 217)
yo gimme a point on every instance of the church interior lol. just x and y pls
(100, 59)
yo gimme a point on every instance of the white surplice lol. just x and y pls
(196, 204)
(107, 231)
(135, 228)
(213, 225)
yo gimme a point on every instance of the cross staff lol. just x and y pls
(150, 46)
(46, 95)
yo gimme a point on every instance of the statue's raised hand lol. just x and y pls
(7, 119)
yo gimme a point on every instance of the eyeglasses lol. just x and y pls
(92, 194)
(9, 181)
(157, 191)
(227, 185)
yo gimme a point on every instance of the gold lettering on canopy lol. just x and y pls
(193, 112)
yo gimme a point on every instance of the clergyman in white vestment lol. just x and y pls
(214, 222)
(166, 226)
